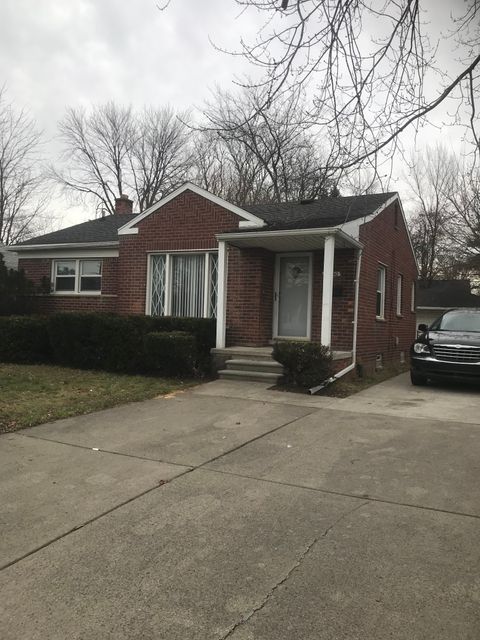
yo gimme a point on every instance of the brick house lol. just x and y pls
(340, 271)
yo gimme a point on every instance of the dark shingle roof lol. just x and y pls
(324, 212)
(99, 230)
(446, 294)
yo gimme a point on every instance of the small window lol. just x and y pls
(399, 294)
(65, 275)
(380, 306)
(77, 276)
(412, 299)
(90, 275)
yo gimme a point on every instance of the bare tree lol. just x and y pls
(160, 156)
(95, 153)
(368, 90)
(22, 197)
(113, 150)
(229, 169)
(464, 200)
(274, 154)
(431, 182)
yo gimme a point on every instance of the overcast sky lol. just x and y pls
(57, 53)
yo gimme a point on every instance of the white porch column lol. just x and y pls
(327, 294)
(222, 294)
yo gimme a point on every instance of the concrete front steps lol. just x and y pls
(249, 363)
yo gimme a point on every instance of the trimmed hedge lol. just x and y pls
(24, 339)
(99, 340)
(306, 364)
(15, 290)
(171, 352)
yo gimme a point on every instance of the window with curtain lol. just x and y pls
(184, 284)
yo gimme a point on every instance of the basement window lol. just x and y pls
(77, 276)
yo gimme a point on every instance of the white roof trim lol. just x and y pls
(353, 227)
(64, 245)
(323, 231)
(247, 219)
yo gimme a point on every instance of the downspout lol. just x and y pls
(351, 366)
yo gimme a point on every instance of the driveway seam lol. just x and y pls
(179, 464)
(334, 406)
(87, 522)
(140, 495)
(289, 573)
(113, 453)
(345, 495)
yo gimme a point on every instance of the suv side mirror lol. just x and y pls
(423, 327)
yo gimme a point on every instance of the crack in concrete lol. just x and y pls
(246, 618)
(188, 469)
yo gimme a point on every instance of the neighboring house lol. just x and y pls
(437, 296)
(336, 270)
(10, 258)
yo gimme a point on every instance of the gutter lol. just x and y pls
(64, 245)
(351, 366)
(282, 233)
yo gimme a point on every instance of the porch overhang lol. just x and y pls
(289, 239)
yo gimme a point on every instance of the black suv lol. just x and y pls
(449, 347)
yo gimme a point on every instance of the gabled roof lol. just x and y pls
(98, 231)
(246, 218)
(324, 212)
(446, 294)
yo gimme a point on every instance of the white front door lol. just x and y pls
(293, 296)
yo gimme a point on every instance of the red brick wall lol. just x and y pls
(191, 222)
(387, 244)
(51, 304)
(188, 222)
(37, 268)
(343, 299)
(249, 297)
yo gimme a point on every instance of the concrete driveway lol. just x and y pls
(232, 511)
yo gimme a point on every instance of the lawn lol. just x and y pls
(33, 394)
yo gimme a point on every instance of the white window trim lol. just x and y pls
(381, 291)
(76, 291)
(399, 294)
(412, 298)
(168, 279)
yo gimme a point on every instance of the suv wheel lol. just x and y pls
(417, 379)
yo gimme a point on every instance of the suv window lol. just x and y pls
(458, 321)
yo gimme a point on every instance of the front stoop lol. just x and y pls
(251, 365)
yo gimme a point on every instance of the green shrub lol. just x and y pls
(306, 364)
(116, 342)
(24, 339)
(171, 353)
(204, 330)
(15, 291)
(100, 340)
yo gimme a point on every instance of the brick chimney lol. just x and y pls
(123, 205)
